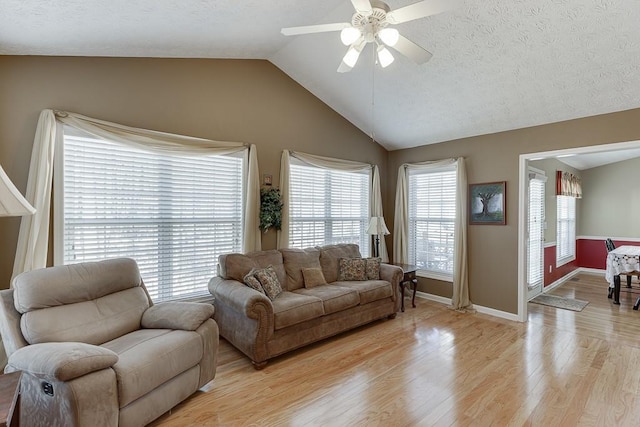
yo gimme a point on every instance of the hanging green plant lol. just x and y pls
(270, 209)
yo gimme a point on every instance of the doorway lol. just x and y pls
(523, 201)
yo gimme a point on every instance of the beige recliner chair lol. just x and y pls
(94, 349)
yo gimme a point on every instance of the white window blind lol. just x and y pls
(173, 214)
(432, 212)
(565, 230)
(535, 249)
(328, 207)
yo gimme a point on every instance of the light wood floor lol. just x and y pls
(434, 367)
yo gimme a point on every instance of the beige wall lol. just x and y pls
(234, 100)
(550, 166)
(611, 200)
(493, 250)
(254, 102)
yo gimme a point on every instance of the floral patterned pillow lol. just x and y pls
(251, 281)
(352, 269)
(269, 281)
(372, 268)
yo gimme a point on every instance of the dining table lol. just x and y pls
(622, 260)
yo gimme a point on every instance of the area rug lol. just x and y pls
(560, 302)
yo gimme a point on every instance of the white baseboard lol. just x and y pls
(479, 308)
(504, 314)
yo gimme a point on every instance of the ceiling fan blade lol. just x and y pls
(344, 68)
(362, 6)
(420, 10)
(309, 29)
(412, 50)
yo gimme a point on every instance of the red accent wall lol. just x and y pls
(550, 263)
(590, 253)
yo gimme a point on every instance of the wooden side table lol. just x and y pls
(10, 399)
(409, 278)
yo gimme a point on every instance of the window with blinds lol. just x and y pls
(432, 213)
(535, 249)
(328, 207)
(565, 230)
(173, 214)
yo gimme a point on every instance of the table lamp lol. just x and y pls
(376, 228)
(11, 201)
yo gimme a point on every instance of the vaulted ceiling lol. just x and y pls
(497, 65)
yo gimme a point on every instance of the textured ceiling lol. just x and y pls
(497, 65)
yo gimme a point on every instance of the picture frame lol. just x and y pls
(487, 203)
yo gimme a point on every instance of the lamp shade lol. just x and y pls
(377, 226)
(11, 201)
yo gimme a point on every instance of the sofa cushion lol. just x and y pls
(269, 281)
(334, 298)
(329, 256)
(149, 357)
(291, 308)
(369, 290)
(373, 268)
(294, 261)
(352, 269)
(237, 266)
(313, 277)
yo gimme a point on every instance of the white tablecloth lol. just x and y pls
(621, 260)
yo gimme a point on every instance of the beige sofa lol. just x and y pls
(95, 351)
(262, 328)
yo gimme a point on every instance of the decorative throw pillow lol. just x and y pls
(269, 281)
(251, 281)
(313, 277)
(352, 269)
(373, 268)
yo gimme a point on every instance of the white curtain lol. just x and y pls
(33, 239)
(460, 299)
(375, 199)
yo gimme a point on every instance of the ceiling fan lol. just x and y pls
(372, 24)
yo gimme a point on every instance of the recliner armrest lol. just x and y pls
(63, 361)
(186, 316)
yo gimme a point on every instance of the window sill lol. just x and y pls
(436, 276)
(563, 261)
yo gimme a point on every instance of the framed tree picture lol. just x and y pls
(487, 203)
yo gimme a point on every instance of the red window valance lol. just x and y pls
(568, 184)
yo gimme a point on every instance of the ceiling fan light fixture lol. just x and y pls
(351, 57)
(389, 36)
(385, 58)
(349, 35)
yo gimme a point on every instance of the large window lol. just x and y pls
(173, 214)
(431, 214)
(328, 207)
(565, 230)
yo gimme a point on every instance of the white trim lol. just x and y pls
(549, 244)
(480, 309)
(626, 239)
(566, 260)
(561, 280)
(435, 298)
(427, 274)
